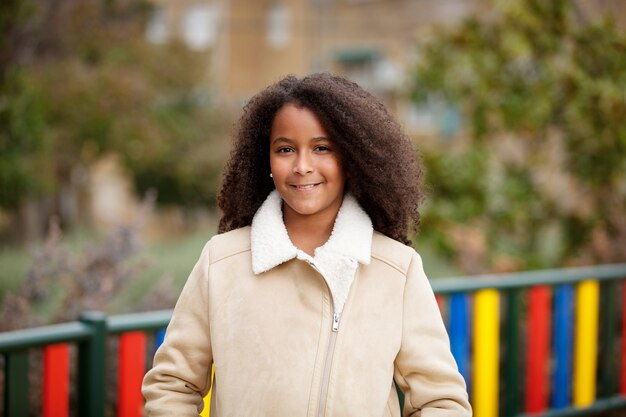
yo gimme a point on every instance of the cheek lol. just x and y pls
(335, 170)
(280, 169)
(274, 164)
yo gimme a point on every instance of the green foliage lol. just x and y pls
(455, 176)
(459, 196)
(556, 84)
(24, 144)
(96, 86)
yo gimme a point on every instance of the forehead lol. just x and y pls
(291, 119)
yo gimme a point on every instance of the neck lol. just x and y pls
(308, 233)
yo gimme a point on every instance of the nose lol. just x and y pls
(303, 164)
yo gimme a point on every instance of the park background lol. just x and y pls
(115, 122)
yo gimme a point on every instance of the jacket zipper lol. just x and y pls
(329, 351)
(327, 365)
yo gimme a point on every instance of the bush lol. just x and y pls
(542, 94)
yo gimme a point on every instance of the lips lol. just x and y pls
(305, 187)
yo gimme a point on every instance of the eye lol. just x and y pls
(284, 149)
(322, 148)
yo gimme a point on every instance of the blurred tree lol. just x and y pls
(79, 79)
(23, 144)
(542, 90)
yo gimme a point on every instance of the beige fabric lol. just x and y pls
(269, 336)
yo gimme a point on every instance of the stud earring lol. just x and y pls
(271, 176)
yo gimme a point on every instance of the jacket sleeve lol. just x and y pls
(425, 369)
(181, 372)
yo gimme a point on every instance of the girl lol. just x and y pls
(310, 301)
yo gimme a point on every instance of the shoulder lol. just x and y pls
(393, 253)
(225, 245)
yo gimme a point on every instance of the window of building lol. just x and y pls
(200, 26)
(434, 117)
(369, 68)
(278, 26)
(358, 64)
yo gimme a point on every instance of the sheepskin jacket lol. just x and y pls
(265, 316)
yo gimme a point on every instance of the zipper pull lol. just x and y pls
(335, 322)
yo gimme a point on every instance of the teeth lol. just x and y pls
(305, 187)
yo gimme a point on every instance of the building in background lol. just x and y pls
(255, 43)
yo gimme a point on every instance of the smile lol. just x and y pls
(305, 187)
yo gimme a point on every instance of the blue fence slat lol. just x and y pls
(460, 333)
(158, 338)
(563, 346)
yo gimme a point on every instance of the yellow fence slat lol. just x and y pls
(586, 347)
(206, 411)
(486, 353)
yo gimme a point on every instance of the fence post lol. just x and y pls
(607, 384)
(513, 371)
(91, 366)
(16, 388)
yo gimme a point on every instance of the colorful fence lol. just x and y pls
(533, 343)
(538, 343)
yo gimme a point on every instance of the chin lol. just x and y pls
(306, 211)
(306, 208)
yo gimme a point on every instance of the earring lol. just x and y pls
(271, 176)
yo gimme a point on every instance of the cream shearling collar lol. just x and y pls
(350, 243)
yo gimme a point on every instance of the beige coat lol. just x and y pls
(278, 351)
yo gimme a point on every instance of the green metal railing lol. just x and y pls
(91, 332)
(515, 280)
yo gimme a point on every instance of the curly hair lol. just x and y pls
(383, 171)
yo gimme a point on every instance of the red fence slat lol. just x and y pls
(538, 351)
(56, 379)
(132, 361)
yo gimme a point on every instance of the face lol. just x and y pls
(306, 166)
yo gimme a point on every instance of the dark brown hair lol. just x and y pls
(381, 167)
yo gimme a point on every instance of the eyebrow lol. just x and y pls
(287, 140)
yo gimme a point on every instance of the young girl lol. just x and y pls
(310, 301)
